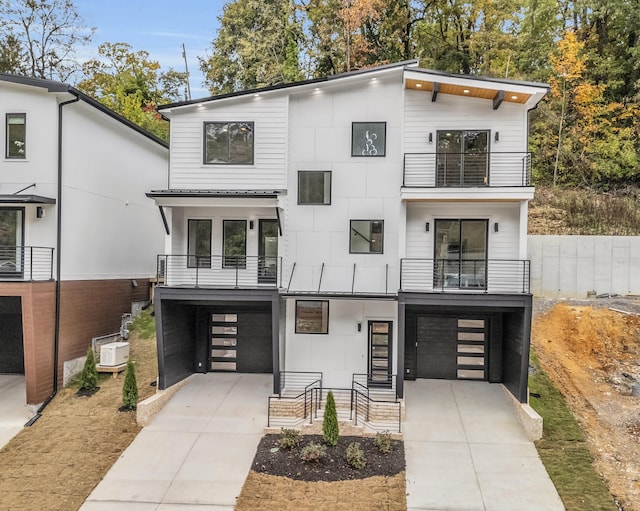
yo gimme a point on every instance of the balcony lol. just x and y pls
(492, 276)
(219, 271)
(466, 170)
(26, 263)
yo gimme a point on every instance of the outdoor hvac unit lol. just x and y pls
(114, 353)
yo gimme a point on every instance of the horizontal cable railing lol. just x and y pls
(484, 275)
(295, 382)
(215, 270)
(380, 388)
(473, 169)
(293, 409)
(26, 263)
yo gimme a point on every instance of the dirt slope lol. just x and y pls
(592, 355)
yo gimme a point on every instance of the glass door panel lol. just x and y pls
(224, 342)
(380, 348)
(460, 258)
(268, 252)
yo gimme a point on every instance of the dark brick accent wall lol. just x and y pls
(91, 308)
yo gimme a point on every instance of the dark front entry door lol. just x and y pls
(268, 252)
(380, 356)
(11, 346)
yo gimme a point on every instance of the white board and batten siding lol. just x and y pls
(269, 114)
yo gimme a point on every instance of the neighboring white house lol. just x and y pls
(78, 237)
(369, 223)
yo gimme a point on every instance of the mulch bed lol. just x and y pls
(334, 467)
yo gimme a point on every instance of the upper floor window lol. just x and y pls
(368, 138)
(463, 158)
(314, 187)
(16, 136)
(228, 143)
(367, 237)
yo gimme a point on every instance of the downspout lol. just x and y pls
(56, 335)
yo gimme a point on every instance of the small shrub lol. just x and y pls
(130, 388)
(383, 442)
(89, 375)
(313, 452)
(289, 438)
(355, 456)
(330, 429)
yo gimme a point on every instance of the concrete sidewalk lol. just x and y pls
(197, 451)
(466, 451)
(13, 409)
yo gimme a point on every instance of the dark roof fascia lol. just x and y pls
(538, 85)
(52, 86)
(289, 85)
(339, 295)
(26, 199)
(248, 194)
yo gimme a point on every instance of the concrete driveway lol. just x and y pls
(197, 451)
(13, 409)
(466, 451)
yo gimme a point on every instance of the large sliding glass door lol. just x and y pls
(11, 241)
(268, 251)
(460, 259)
(463, 158)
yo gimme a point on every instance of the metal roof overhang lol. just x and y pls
(217, 198)
(26, 199)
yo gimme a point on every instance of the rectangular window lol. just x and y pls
(228, 143)
(16, 136)
(312, 317)
(11, 231)
(367, 237)
(314, 187)
(368, 138)
(199, 254)
(461, 253)
(234, 244)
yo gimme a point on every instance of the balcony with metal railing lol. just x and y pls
(467, 170)
(492, 276)
(184, 270)
(20, 263)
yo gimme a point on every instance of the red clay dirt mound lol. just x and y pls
(592, 355)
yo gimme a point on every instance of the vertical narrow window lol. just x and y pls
(367, 237)
(16, 136)
(234, 243)
(11, 228)
(314, 187)
(199, 244)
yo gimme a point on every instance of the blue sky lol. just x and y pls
(157, 26)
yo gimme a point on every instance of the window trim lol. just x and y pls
(6, 142)
(239, 265)
(325, 172)
(370, 221)
(384, 145)
(204, 143)
(197, 256)
(321, 302)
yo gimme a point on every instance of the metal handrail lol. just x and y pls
(26, 263)
(466, 169)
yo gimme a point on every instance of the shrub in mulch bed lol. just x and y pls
(271, 459)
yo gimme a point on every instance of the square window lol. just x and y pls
(199, 243)
(312, 317)
(16, 136)
(366, 237)
(368, 138)
(314, 187)
(228, 143)
(234, 244)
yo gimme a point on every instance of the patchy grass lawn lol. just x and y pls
(564, 450)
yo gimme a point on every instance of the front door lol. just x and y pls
(380, 356)
(268, 252)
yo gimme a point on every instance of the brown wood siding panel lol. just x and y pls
(91, 308)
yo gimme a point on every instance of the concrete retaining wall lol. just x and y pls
(573, 266)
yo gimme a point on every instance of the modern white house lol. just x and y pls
(78, 237)
(369, 226)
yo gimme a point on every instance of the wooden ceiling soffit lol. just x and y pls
(496, 96)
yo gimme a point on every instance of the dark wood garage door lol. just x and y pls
(11, 346)
(241, 342)
(451, 348)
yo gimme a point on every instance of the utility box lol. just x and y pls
(114, 354)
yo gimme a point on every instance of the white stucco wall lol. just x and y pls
(571, 266)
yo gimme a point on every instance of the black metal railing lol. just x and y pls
(297, 400)
(480, 275)
(217, 270)
(474, 169)
(26, 263)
